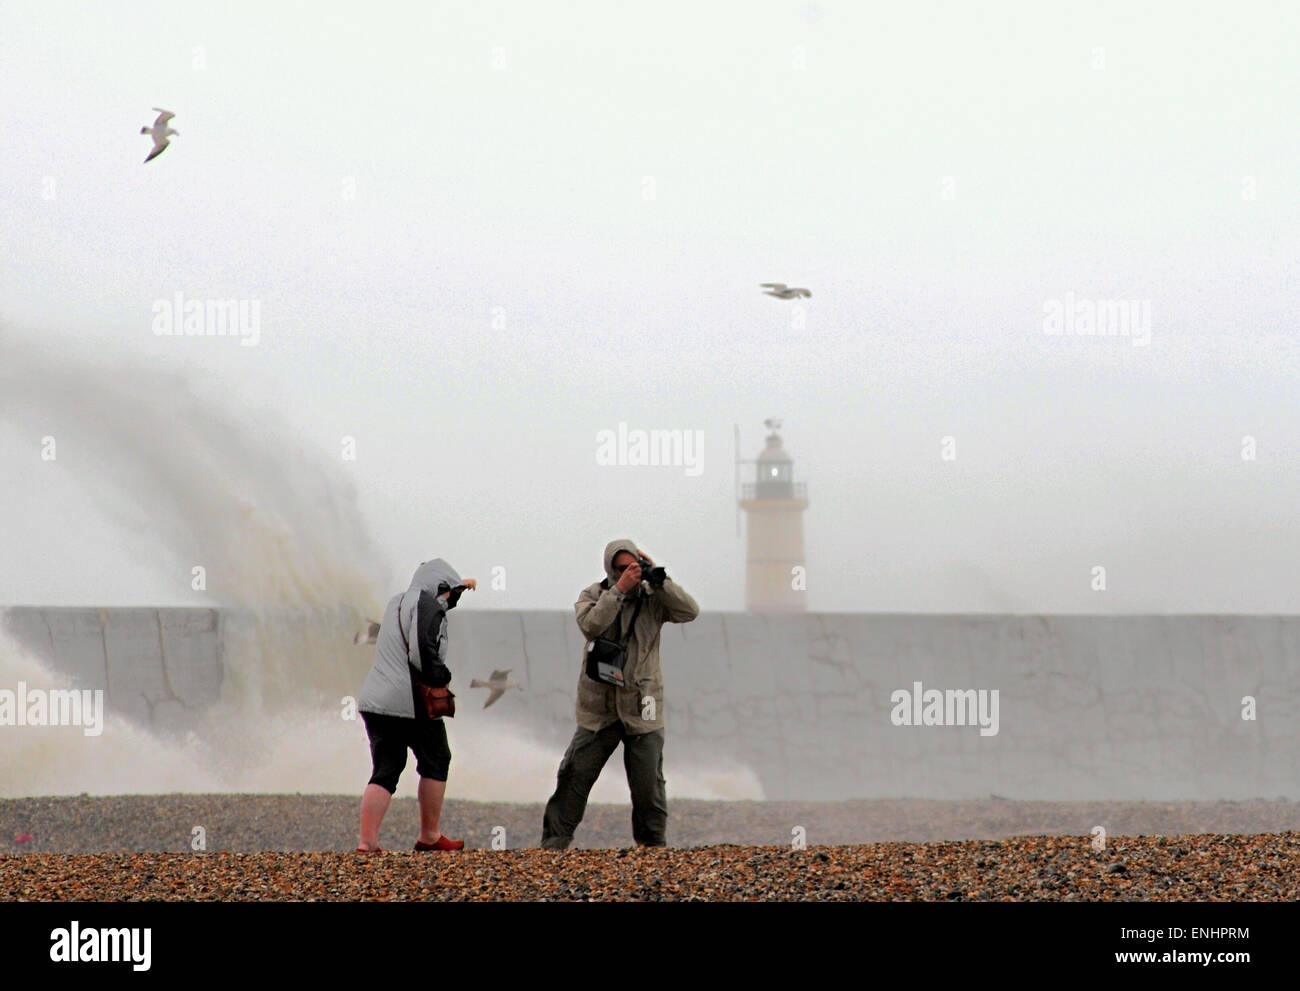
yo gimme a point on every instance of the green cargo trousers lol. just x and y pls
(643, 758)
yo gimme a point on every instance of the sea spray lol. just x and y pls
(306, 749)
(287, 556)
(273, 524)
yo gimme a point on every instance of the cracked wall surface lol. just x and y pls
(1090, 707)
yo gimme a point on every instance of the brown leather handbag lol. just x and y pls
(438, 702)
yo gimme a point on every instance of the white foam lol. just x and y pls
(313, 750)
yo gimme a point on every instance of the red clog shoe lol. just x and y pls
(441, 843)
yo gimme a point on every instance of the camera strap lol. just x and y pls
(640, 597)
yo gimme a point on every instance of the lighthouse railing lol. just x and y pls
(774, 490)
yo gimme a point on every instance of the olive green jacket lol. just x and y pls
(597, 608)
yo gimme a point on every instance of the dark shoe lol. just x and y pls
(441, 843)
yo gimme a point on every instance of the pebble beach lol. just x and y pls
(299, 848)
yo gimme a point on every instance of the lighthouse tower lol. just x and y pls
(774, 503)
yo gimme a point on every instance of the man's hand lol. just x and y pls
(630, 578)
(469, 583)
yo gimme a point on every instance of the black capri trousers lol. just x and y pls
(392, 736)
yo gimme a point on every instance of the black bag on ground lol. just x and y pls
(606, 659)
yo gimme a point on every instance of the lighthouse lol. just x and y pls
(774, 503)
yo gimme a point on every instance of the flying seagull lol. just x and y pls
(370, 634)
(782, 291)
(497, 683)
(159, 132)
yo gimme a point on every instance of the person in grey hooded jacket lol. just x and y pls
(624, 606)
(412, 646)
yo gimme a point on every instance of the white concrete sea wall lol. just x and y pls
(157, 667)
(1089, 707)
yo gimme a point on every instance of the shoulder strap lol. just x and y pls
(640, 597)
(405, 639)
(405, 642)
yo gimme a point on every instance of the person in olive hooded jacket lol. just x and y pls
(631, 714)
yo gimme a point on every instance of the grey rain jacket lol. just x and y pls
(389, 689)
(602, 610)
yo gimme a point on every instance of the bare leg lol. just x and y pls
(431, 794)
(374, 803)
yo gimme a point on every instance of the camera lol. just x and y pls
(654, 574)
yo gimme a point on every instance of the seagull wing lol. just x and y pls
(157, 150)
(772, 285)
(495, 694)
(163, 117)
(501, 675)
(371, 633)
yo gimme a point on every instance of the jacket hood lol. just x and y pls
(430, 573)
(612, 549)
(426, 579)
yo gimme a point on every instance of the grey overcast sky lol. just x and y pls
(479, 234)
